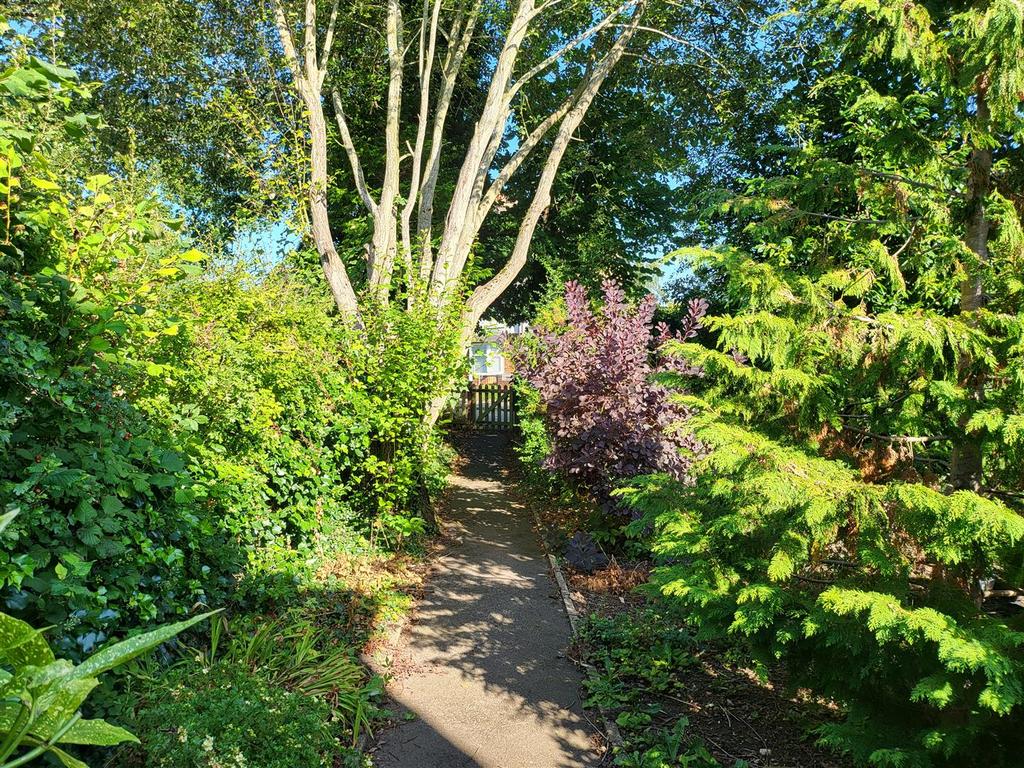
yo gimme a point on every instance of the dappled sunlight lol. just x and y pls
(482, 666)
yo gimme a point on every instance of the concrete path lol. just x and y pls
(481, 672)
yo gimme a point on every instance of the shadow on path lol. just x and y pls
(482, 666)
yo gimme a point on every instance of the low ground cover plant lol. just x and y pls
(230, 716)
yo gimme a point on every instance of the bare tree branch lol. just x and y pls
(428, 38)
(463, 28)
(309, 43)
(353, 155)
(325, 53)
(485, 295)
(383, 247)
(284, 32)
(571, 45)
(526, 147)
(306, 75)
(687, 43)
(913, 183)
(458, 233)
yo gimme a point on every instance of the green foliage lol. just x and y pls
(227, 715)
(269, 692)
(636, 658)
(983, 39)
(172, 431)
(43, 695)
(101, 539)
(291, 418)
(845, 377)
(292, 653)
(534, 443)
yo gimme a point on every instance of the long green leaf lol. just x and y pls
(126, 650)
(96, 733)
(67, 760)
(62, 705)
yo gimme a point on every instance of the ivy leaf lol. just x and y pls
(172, 461)
(90, 535)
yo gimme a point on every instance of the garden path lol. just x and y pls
(481, 671)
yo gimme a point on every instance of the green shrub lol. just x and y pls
(103, 538)
(534, 443)
(859, 512)
(171, 432)
(229, 716)
(794, 557)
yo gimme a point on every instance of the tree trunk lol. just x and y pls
(965, 471)
(334, 269)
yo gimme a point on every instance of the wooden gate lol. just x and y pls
(489, 406)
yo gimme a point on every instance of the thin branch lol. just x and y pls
(571, 45)
(832, 217)
(325, 53)
(460, 222)
(353, 155)
(901, 439)
(526, 147)
(498, 131)
(463, 27)
(912, 183)
(484, 295)
(688, 43)
(899, 251)
(284, 32)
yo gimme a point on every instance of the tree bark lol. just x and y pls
(478, 184)
(966, 465)
(308, 75)
(485, 295)
(383, 247)
(333, 267)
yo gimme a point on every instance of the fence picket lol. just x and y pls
(489, 405)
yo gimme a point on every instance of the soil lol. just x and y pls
(735, 714)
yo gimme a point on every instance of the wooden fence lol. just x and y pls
(488, 406)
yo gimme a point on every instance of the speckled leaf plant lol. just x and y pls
(42, 695)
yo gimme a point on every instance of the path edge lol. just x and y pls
(611, 728)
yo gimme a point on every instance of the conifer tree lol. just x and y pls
(859, 511)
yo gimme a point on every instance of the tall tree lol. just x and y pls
(419, 123)
(859, 510)
(972, 54)
(443, 40)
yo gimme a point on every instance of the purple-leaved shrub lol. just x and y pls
(607, 418)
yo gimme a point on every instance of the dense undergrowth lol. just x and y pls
(875, 584)
(177, 434)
